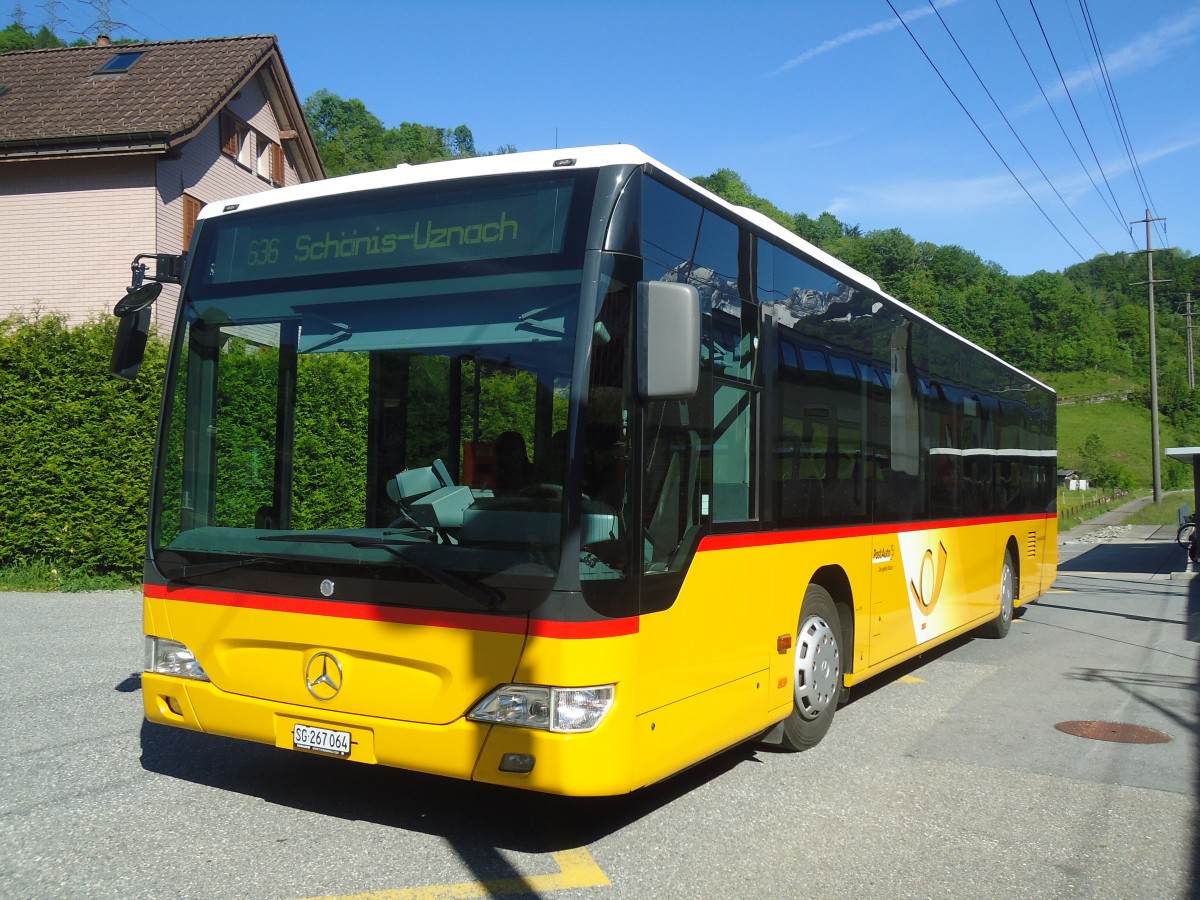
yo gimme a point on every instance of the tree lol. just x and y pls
(464, 141)
(14, 38)
(348, 136)
(1100, 468)
(729, 185)
(889, 256)
(414, 144)
(45, 39)
(823, 230)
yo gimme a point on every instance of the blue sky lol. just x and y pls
(818, 105)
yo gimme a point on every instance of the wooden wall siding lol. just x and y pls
(68, 231)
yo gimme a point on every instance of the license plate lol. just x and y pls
(323, 740)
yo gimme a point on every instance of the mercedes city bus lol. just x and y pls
(554, 470)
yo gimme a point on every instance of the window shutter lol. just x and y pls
(229, 137)
(191, 212)
(277, 167)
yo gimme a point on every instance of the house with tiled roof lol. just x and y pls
(111, 150)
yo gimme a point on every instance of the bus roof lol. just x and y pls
(516, 163)
(578, 158)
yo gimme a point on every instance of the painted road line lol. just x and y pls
(910, 679)
(577, 869)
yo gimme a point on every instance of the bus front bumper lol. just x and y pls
(591, 764)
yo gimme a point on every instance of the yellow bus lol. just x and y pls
(553, 470)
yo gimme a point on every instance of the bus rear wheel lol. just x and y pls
(816, 671)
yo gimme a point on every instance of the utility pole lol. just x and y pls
(1191, 361)
(1155, 444)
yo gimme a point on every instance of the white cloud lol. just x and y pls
(939, 198)
(1168, 150)
(1143, 52)
(881, 27)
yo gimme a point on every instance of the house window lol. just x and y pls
(270, 159)
(235, 140)
(191, 212)
(120, 62)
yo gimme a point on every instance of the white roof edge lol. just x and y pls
(403, 174)
(583, 158)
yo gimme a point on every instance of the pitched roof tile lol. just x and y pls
(57, 97)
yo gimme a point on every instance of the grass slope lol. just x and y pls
(1125, 429)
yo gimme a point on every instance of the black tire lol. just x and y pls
(816, 671)
(1186, 538)
(999, 626)
(1183, 536)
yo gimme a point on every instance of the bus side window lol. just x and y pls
(722, 279)
(671, 489)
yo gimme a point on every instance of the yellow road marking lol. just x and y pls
(577, 870)
(910, 679)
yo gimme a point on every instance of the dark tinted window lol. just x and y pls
(670, 224)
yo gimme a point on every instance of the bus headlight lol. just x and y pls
(565, 710)
(164, 657)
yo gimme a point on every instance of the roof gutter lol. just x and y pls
(89, 145)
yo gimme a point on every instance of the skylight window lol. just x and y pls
(120, 62)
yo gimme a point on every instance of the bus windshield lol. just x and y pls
(391, 422)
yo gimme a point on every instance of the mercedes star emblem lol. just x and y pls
(323, 676)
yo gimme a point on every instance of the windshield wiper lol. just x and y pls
(344, 333)
(532, 321)
(486, 596)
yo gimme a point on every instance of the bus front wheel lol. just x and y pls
(816, 671)
(998, 627)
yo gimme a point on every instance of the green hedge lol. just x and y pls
(75, 447)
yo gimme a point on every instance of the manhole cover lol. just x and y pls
(1118, 732)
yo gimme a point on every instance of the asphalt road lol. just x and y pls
(946, 778)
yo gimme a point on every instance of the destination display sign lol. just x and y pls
(384, 232)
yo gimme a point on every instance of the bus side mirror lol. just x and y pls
(129, 349)
(668, 348)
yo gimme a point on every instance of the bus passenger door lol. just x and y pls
(899, 497)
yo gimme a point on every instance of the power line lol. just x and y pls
(1062, 128)
(1116, 107)
(167, 28)
(982, 134)
(1078, 118)
(1028, 153)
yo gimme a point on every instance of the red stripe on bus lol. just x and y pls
(773, 538)
(400, 615)
(396, 614)
(576, 630)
